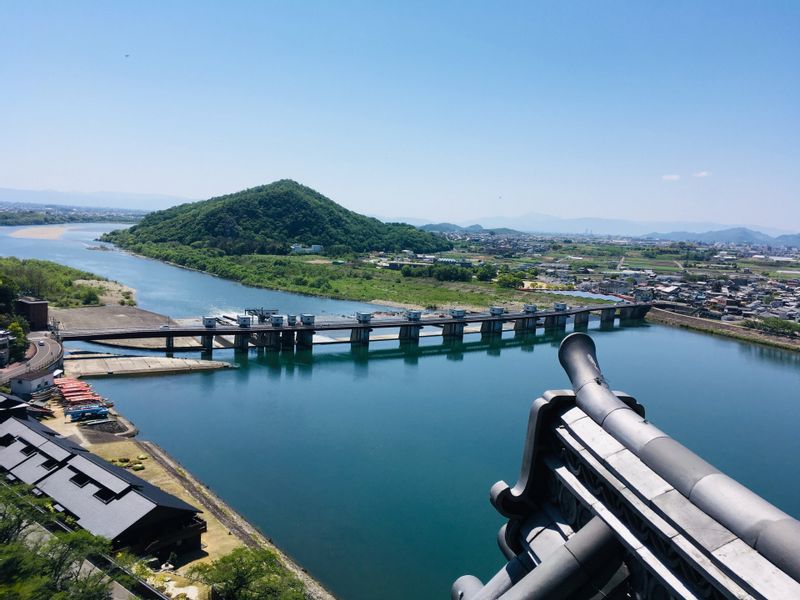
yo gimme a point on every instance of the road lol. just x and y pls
(43, 357)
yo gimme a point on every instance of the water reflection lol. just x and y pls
(288, 361)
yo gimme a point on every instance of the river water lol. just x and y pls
(372, 468)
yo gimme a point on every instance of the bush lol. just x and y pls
(249, 574)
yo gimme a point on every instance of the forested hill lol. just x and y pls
(268, 219)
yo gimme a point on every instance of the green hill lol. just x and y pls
(268, 219)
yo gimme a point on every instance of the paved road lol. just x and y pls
(44, 356)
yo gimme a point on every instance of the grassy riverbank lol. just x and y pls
(354, 279)
(738, 332)
(58, 284)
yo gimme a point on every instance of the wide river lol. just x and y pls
(372, 468)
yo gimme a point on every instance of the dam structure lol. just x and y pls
(608, 506)
(286, 331)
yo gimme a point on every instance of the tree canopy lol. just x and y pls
(268, 220)
(249, 574)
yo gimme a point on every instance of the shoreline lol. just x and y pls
(719, 328)
(195, 492)
(245, 531)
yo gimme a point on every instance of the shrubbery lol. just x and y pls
(249, 574)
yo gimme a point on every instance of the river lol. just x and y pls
(372, 467)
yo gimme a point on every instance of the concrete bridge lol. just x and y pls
(608, 506)
(285, 331)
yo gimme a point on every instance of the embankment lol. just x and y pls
(658, 315)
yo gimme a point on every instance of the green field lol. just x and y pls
(354, 279)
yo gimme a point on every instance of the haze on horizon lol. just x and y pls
(686, 111)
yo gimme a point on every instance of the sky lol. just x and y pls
(429, 110)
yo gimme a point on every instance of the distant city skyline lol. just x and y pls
(686, 111)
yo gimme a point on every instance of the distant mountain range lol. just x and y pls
(731, 235)
(735, 235)
(452, 227)
(541, 223)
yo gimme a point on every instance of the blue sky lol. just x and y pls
(446, 110)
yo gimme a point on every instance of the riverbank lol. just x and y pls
(358, 280)
(665, 317)
(226, 529)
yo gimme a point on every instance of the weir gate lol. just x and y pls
(275, 331)
(608, 506)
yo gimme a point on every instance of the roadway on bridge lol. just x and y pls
(339, 325)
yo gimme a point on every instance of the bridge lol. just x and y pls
(276, 331)
(608, 506)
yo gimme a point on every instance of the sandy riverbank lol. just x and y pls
(665, 317)
(45, 232)
(111, 292)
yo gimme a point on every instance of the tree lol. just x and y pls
(90, 296)
(249, 574)
(509, 280)
(64, 553)
(19, 511)
(50, 569)
(20, 343)
(485, 272)
(87, 586)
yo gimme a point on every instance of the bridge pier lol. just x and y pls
(453, 330)
(208, 342)
(305, 338)
(492, 328)
(241, 342)
(410, 333)
(170, 344)
(581, 320)
(626, 313)
(528, 323)
(270, 339)
(607, 316)
(525, 325)
(552, 322)
(359, 336)
(287, 338)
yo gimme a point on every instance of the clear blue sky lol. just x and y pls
(646, 110)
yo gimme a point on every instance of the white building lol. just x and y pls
(28, 383)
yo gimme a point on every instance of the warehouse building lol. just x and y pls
(103, 499)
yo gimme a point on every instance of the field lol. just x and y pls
(353, 279)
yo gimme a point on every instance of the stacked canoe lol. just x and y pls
(80, 400)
